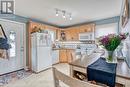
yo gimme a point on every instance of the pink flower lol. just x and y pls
(122, 36)
(111, 41)
(105, 40)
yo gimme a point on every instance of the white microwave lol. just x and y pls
(86, 36)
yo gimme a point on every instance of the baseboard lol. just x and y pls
(41, 70)
(55, 63)
(12, 72)
(26, 68)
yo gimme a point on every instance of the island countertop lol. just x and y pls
(122, 68)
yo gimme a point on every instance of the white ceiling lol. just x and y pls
(82, 10)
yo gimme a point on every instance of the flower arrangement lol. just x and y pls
(110, 42)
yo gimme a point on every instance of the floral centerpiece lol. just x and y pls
(110, 42)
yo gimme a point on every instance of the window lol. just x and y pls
(106, 29)
(12, 40)
(52, 36)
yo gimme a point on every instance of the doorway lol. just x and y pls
(15, 33)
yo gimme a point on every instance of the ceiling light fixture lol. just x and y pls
(64, 13)
(70, 17)
(57, 14)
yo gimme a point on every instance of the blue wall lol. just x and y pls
(97, 22)
(22, 19)
(100, 22)
(25, 20)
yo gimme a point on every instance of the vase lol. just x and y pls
(111, 58)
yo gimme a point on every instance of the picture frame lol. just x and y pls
(125, 14)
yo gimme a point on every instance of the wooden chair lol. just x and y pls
(69, 81)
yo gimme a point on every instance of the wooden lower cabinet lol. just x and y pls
(69, 55)
(63, 56)
(66, 55)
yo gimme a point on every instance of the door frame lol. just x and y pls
(24, 40)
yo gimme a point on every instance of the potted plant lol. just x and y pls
(110, 42)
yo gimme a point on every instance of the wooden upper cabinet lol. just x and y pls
(91, 28)
(68, 34)
(58, 34)
(82, 29)
(75, 33)
(72, 34)
(85, 28)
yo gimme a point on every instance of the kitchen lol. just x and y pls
(62, 35)
(75, 43)
(64, 46)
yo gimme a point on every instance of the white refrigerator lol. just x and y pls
(41, 51)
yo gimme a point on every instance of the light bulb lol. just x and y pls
(64, 16)
(70, 18)
(57, 14)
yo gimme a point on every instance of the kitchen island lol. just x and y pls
(122, 71)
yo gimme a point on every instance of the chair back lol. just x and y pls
(69, 81)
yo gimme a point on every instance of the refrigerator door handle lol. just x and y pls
(22, 49)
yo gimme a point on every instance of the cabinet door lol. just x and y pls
(89, 28)
(69, 55)
(83, 29)
(68, 34)
(63, 56)
(72, 34)
(58, 34)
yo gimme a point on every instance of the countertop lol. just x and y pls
(62, 49)
(122, 68)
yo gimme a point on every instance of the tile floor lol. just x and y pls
(14, 76)
(42, 79)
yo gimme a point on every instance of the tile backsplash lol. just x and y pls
(84, 47)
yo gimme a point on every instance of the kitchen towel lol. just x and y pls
(103, 72)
